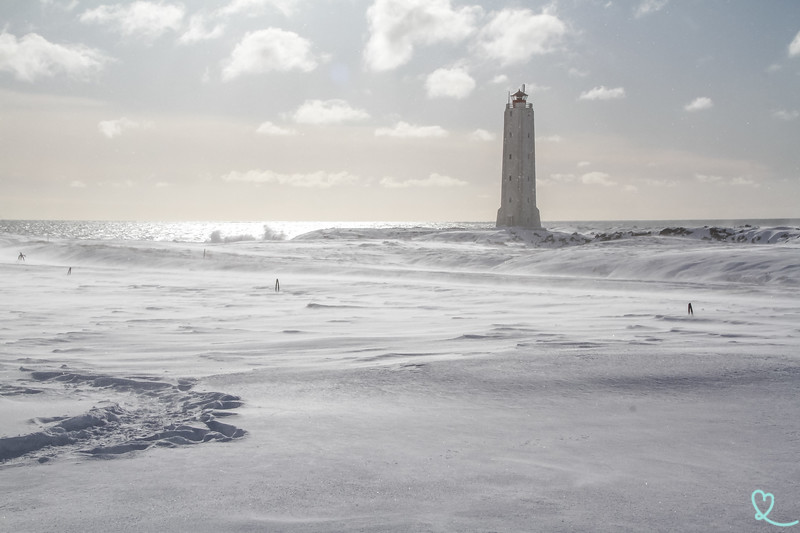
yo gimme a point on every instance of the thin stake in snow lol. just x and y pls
(21, 257)
(690, 310)
(277, 285)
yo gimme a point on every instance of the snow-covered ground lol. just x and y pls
(401, 380)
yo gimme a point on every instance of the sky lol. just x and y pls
(393, 109)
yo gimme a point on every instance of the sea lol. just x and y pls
(230, 231)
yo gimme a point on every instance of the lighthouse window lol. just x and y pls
(509, 178)
(509, 199)
(509, 156)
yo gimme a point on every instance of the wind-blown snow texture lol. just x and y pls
(402, 379)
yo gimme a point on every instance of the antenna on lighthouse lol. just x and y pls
(523, 87)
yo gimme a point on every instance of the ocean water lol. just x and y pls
(217, 232)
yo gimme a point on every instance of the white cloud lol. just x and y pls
(269, 50)
(396, 27)
(114, 128)
(661, 182)
(563, 177)
(705, 178)
(206, 25)
(64, 6)
(583, 164)
(434, 180)
(77, 184)
(449, 83)
(514, 35)
(328, 112)
(500, 78)
(649, 6)
(253, 8)
(482, 135)
(319, 179)
(199, 30)
(739, 181)
(699, 104)
(794, 47)
(33, 57)
(783, 114)
(577, 73)
(603, 93)
(744, 182)
(268, 128)
(597, 178)
(148, 20)
(404, 129)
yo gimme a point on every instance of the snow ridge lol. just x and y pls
(162, 414)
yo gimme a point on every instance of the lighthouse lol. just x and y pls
(518, 189)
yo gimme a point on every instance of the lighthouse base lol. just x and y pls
(528, 220)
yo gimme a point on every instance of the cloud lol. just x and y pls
(64, 6)
(319, 179)
(253, 8)
(406, 130)
(396, 27)
(33, 57)
(744, 182)
(269, 50)
(482, 135)
(603, 93)
(794, 47)
(597, 178)
(583, 164)
(500, 78)
(783, 114)
(705, 178)
(114, 128)
(199, 30)
(148, 20)
(649, 6)
(322, 112)
(77, 184)
(268, 128)
(699, 104)
(739, 181)
(449, 83)
(558, 177)
(577, 73)
(208, 25)
(661, 182)
(434, 180)
(514, 35)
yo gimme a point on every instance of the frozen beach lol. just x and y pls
(402, 379)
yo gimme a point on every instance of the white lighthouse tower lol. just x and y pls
(518, 190)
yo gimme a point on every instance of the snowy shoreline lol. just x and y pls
(401, 380)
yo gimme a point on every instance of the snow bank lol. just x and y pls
(165, 414)
(698, 255)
